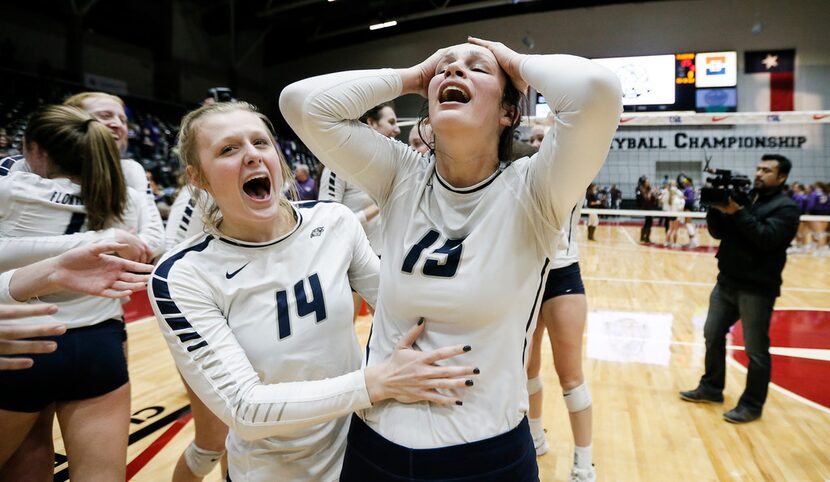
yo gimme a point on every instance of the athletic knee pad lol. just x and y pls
(200, 461)
(578, 399)
(534, 385)
(691, 229)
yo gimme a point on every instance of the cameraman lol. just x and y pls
(754, 240)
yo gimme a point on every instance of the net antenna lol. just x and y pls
(708, 159)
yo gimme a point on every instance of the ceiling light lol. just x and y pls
(378, 26)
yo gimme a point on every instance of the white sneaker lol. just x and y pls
(540, 442)
(583, 475)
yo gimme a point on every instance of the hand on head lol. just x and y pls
(509, 60)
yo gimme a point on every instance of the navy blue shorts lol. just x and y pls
(506, 457)
(89, 362)
(564, 281)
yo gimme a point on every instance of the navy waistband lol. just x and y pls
(464, 460)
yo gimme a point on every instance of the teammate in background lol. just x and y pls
(592, 201)
(76, 184)
(537, 134)
(420, 138)
(283, 389)
(564, 310)
(671, 199)
(446, 219)
(109, 110)
(689, 201)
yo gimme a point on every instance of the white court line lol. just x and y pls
(628, 236)
(654, 250)
(814, 354)
(688, 283)
(782, 390)
(821, 354)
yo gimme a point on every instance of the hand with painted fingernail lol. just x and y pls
(410, 375)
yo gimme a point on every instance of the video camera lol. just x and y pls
(724, 185)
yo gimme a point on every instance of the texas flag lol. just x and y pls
(780, 65)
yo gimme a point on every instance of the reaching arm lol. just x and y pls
(323, 112)
(87, 269)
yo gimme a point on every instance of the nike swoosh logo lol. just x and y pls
(231, 275)
(820, 117)
(623, 120)
(718, 119)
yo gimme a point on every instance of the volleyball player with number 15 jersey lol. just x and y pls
(467, 238)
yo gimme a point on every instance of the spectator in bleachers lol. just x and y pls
(306, 187)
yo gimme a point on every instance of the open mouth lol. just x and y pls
(453, 94)
(258, 188)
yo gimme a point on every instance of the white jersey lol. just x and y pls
(472, 262)
(567, 250)
(39, 208)
(263, 334)
(184, 220)
(335, 188)
(152, 228)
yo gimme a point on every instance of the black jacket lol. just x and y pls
(754, 242)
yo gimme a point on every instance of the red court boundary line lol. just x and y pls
(155, 447)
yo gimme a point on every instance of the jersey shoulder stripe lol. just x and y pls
(7, 162)
(170, 312)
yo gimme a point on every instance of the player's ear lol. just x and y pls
(195, 178)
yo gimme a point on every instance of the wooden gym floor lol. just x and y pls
(643, 344)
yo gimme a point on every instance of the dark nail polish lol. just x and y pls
(420, 322)
(467, 348)
(476, 371)
(469, 383)
(459, 402)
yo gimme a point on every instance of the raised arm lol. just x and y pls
(323, 112)
(587, 101)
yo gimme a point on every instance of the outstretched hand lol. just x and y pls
(509, 60)
(409, 375)
(90, 270)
